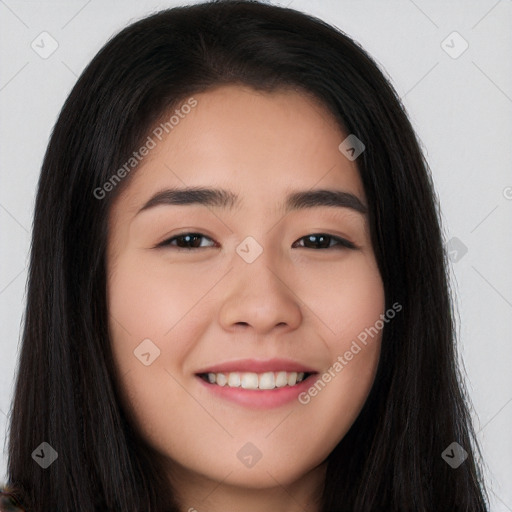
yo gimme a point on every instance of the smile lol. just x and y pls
(254, 381)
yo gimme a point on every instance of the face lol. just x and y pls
(235, 324)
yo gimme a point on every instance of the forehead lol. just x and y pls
(259, 145)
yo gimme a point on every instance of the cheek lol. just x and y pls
(349, 303)
(152, 323)
(141, 298)
(150, 298)
(151, 305)
(346, 299)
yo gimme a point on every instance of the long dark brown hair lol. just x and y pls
(66, 392)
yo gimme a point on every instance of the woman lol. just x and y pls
(303, 358)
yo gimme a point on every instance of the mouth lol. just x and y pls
(256, 381)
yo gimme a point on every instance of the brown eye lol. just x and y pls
(186, 241)
(324, 241)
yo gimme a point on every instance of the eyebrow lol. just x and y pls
(226, 199)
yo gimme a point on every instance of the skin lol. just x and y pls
(207, 305)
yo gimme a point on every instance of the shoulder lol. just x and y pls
(7, 502)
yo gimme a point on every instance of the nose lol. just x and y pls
(260, 297)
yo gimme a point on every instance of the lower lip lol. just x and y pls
(259, 399)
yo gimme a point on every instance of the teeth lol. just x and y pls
(250, 380)
(281, 379)
(267, 381)
(234, 380)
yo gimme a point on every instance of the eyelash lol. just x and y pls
(342, 243)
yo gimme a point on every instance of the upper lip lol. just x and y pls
(257, 366)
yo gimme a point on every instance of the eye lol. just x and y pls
(185, 241)
(324, 241)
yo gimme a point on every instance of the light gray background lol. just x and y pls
(461, 108)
